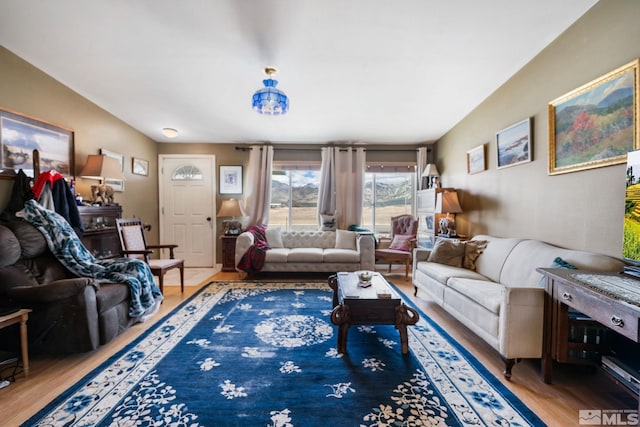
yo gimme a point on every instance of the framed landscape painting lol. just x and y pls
(596, 124)
(514, 144)
(475, 160)
(21, 134)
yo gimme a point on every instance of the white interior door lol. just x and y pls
(187, 207)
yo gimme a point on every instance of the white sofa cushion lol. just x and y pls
(490, 263)
(345, 239)
(341, 255)
(488, 294)
(520, 266)
(274, 237)
(309, 239)
(442, 272)
(277, 255)
(305, 255)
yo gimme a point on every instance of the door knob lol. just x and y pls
(209, 218)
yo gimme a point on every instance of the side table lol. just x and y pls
(21, 316)
(229, 253)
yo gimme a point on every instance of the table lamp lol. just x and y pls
(431, 173)
(231, 208)
(447, 202)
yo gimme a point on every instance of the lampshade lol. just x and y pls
(270, 100)
(430, 170)
(230, 207)
(447, 202)
(100, 166)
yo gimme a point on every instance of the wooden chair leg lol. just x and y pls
(182, 279)
(161, 282)
(389, 270)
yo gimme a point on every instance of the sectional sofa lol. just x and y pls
(499, 295)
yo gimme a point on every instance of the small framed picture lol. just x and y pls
(475, 160)
(140, 167)
(230, 179)
(116, 184)
(514, 144)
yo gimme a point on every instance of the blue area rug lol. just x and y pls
(264, 354)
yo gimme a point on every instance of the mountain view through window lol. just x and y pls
(294, 199)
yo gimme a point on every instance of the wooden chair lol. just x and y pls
(407, 227)
(133, 244)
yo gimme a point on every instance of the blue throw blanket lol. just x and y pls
(69, 250)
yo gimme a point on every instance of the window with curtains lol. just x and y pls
(387, 193)
(294, 196)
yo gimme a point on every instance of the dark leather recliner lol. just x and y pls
(70, 314)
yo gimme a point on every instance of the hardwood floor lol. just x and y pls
(574, 388)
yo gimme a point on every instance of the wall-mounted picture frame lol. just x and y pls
(20, 134)
(116, 184)
(139, 166)
(230, 180)
(514, 144)
(596, 124)
(476, 162)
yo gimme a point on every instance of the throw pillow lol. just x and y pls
(345, 239)
(328, 222)
(448, 252)
(472, 250)
(402, 242)
(274, 237)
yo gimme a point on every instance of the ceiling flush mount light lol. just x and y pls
(270, 100)
(170, 132)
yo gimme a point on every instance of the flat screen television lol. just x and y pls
(631, 228)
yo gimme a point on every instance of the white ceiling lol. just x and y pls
(373, 71)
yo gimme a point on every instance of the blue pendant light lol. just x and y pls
(269, 99)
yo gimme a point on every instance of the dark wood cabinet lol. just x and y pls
(228, 253)
(100, 235)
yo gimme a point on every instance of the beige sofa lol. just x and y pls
(312, 251)
(502, 301)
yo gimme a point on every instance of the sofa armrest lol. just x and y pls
(243, 243)
(521, 322)
(419, 255)
(52, 291)
(366, 247)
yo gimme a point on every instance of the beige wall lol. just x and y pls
(228, 155)
(582, 210)
(26, 89)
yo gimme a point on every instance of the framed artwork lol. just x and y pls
(475, 160)
(21, 134)
(596, 124)
(230, 179)
(116, 184)
(514, 144)
(140, 167)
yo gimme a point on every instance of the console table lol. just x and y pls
(610, 299)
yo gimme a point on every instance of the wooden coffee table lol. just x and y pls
(378, 304)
